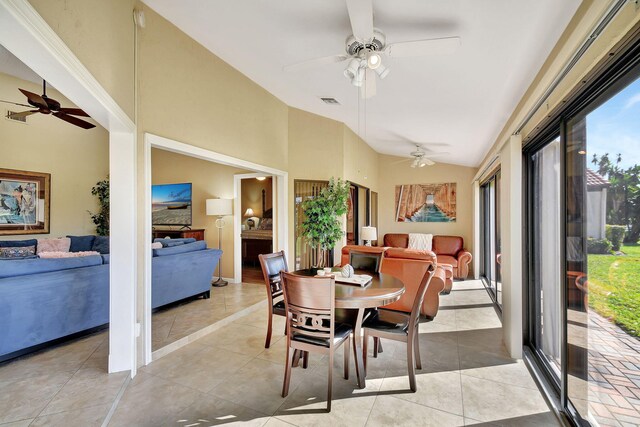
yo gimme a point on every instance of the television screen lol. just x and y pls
(171, 204)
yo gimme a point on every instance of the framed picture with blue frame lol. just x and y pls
(24, 202)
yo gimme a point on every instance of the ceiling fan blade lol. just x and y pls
(368, 88)
(22, 114)
(313, 63)
(74, 111)
(361, 17)
(437, 154)
(73, 120)
(35, 98)
(442, 46)
(16, 103)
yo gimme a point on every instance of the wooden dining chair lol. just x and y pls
(272, 265)
(365, 261)
(400, 326)
(310, 306)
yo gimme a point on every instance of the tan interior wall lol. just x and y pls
(251, 196)
(46, 144)
(392, 174)
(209, 180)
(101, 34)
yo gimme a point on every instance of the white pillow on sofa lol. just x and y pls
(54, 254)
(61, 244)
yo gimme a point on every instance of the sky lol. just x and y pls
(614, 128)
(171, 192)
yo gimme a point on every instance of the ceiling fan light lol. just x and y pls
(374, 60)
(358, 79)
(352, 69)
(382, 71)
(422, 164)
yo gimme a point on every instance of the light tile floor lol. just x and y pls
(227, 377)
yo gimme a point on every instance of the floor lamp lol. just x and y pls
(219, 208)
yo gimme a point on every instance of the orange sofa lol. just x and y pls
(409, 266)
(449, 250)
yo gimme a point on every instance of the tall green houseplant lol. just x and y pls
(101, 219)
(321, 226)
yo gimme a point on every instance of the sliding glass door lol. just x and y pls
(490, 237)
(583, 227)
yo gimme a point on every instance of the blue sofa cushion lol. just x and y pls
(166, 243)
(101, 244)
(81, 243)
(181, 249)
(17, 243)
(23, 267)
(106, 259)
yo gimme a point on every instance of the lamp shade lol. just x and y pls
(219, 207)
(369, 233)
(249, 213)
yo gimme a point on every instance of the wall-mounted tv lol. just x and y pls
(171, 204)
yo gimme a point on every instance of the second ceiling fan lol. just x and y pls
(367, 45)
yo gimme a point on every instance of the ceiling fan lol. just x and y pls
(46, 105)
(365, 47)
(420, 158)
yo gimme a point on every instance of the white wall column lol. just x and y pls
(475, 250)
(512, 245)
(122, 300)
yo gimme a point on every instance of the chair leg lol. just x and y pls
(417, 344)
(411, 364)
(287, 372)
(345, 363)
(330, 381)
(267, 343)
(380, 350)
(376, 342)
(365, 349)
(305, 359)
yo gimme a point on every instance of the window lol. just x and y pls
(490, 237)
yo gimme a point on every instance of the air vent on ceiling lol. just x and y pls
(20, 119)
(330, 101)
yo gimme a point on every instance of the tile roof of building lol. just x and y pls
(595, 181)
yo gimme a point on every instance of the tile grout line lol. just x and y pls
(116, 401)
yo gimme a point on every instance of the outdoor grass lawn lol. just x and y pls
(614, 287)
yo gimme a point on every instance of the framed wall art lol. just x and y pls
(426, 202)
(24, 202)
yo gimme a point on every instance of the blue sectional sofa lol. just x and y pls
(42, 300)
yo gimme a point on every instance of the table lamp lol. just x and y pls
(369, 234)
(219, 208)
(249, 214)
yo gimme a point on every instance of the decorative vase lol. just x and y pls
(347, 271)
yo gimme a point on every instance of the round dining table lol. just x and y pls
(383, 289)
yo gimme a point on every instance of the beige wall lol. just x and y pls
(76, 158)
(360, 161)
(210, 180)
(190, 95)
(393, 173)
(101, 34)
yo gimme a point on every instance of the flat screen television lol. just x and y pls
(171, 204)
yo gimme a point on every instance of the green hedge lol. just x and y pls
(598, 246)
(615, 233)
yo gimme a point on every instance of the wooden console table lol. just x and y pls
(196, 233)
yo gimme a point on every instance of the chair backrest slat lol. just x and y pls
(310, 305)
(272, 265)
(422, 291)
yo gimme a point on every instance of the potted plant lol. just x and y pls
(101, 219)
(321, 226)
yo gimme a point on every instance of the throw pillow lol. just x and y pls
(156, 245)
(17, 243)
(67, 254)
(17, 252)
(81, 243)
(171, 243)
(54, 245)
(101, 244)
(266, 224)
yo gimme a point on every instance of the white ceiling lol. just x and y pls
(463, 99)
